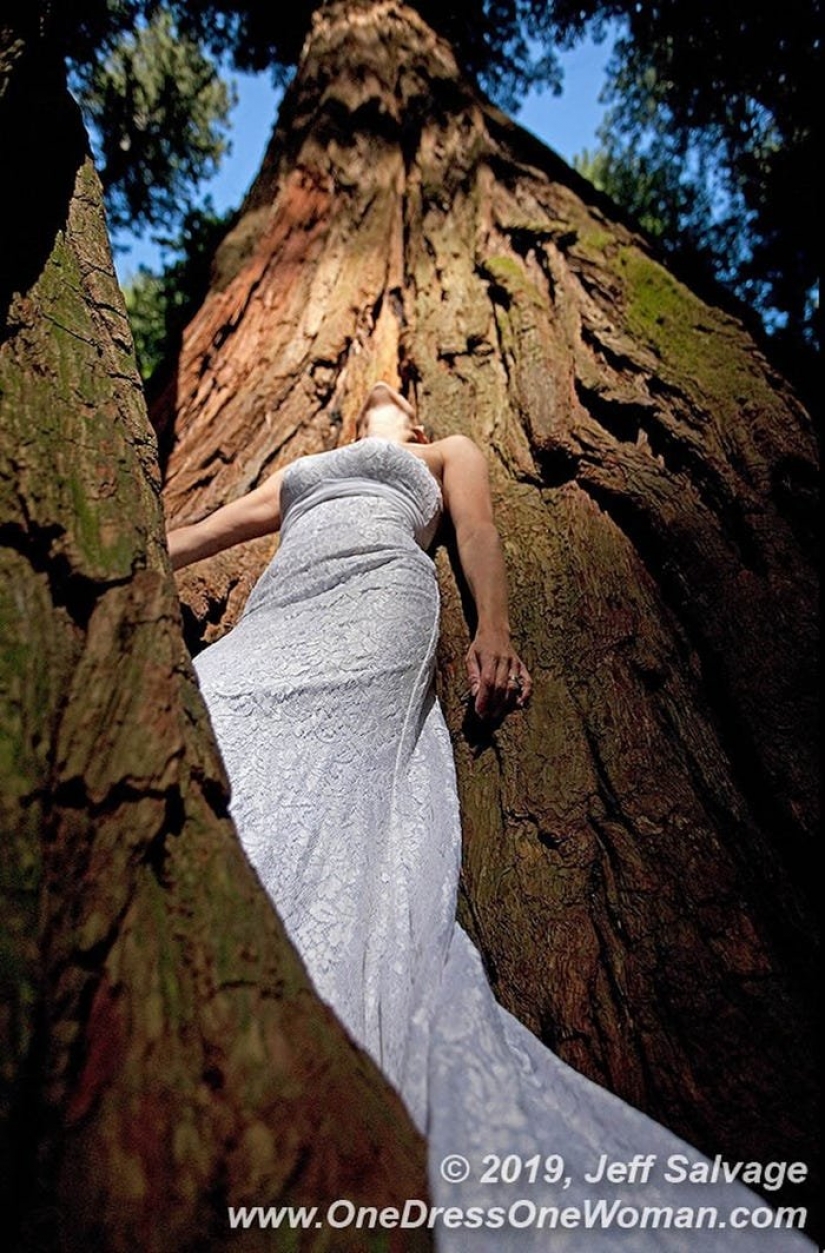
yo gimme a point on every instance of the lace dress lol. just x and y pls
(344, 796)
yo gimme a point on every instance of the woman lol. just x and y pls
(344, 797)
(498, 679)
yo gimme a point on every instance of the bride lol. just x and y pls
(498, 678)
(344, 797)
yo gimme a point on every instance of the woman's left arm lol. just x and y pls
(499, 679)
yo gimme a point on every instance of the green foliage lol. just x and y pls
(652, 195)
(151, 306)
(146, 75)
(684, 213)
(160, 305)
(506, 44)
(716, 103)
(159, 111)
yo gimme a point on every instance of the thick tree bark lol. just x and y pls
(164, 1054)
(638, 844)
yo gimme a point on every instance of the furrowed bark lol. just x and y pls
(165, 1055)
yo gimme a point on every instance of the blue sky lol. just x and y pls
(567, 123)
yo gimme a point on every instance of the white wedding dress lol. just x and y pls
(344, 795)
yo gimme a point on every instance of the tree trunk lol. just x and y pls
(638, 843)
(164, 1055)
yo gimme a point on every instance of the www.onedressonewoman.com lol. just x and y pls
(596, 1215)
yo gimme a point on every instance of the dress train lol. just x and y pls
(344, 797)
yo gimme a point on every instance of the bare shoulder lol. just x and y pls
(459, 452)
(455, 461)
(457, 445)
(465, 480)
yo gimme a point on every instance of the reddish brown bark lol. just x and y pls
(637, 846)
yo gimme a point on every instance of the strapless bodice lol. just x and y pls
(345, 513)
(371, 467)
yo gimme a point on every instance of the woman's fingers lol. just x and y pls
(492, 686)
(520, 684)
(499, 681)
(473, 671)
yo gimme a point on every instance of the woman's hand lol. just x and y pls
(499, 679)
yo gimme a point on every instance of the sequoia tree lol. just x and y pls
(164, 1054)
(638, 844)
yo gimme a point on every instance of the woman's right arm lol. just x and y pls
(256, 513)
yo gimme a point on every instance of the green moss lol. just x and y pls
(97, 528)
(78, 480)
(510, 276)
(656, 300)
(593, 241)
(696, 343)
